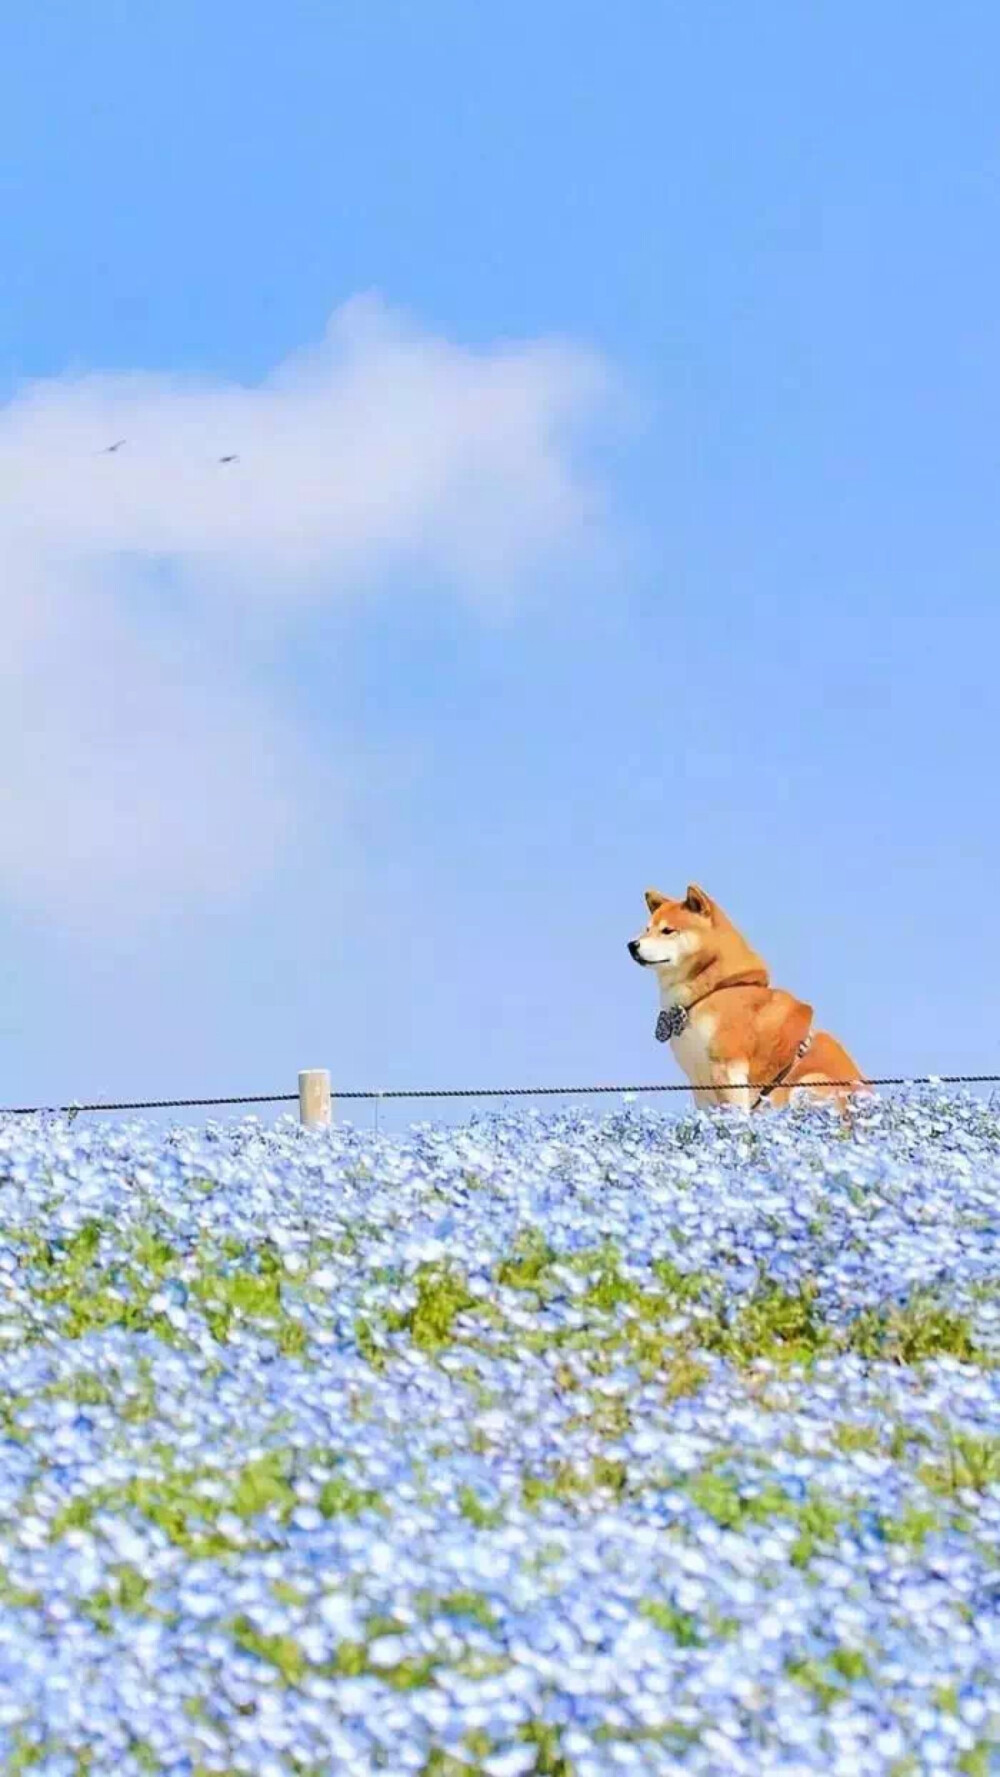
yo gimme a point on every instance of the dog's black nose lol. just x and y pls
(633, 949)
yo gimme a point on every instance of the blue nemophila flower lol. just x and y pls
(540, 1445)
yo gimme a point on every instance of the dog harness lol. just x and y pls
(803, 1048)
(673, 1020)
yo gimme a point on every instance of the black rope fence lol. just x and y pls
(469, 1092)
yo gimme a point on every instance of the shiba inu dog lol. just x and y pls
(739, 1040)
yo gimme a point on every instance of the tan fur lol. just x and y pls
(739, 1035)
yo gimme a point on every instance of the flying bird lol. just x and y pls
(233, 459)
(113, 447)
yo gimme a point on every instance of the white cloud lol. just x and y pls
(136, 769)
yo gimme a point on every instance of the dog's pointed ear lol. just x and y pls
(696, 900)
(654, 899)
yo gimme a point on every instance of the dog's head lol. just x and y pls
(678, 933)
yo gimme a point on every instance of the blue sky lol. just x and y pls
(636, 522)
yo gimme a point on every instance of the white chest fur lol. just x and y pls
(691, 1049)
(713, 1082)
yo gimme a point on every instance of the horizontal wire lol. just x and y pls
(150, 1104)
(170, 1104)
(672, 1086)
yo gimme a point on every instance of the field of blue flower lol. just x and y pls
(540, 1445)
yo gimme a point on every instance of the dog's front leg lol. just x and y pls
(732, 1085)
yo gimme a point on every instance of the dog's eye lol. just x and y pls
(665, 931)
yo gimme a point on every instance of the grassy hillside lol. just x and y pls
(538, 1446)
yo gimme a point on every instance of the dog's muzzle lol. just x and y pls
(633, 950)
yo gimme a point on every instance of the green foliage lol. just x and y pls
(461, 1605)
(279, 1651)
(482, 1516)
(446, 1764)
(849, 1437)
(254, 1292)
(818, 1519)
(911, 1528)
(17, 1597)
(127, 1590)
(979, 1761)
(66, 1277)
(828, 1679)
(369, 1345)
(567, 1483)
(667, 1324)
(913, 1331)
(339, 1498)
(441, 1297)
(680, 1625)
(186, 1504)
(529, 1262)
(284, 1593)
(783, 1326)
(547, 1741)
(732, 1505)
(968, 1462)
(84, 1294)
